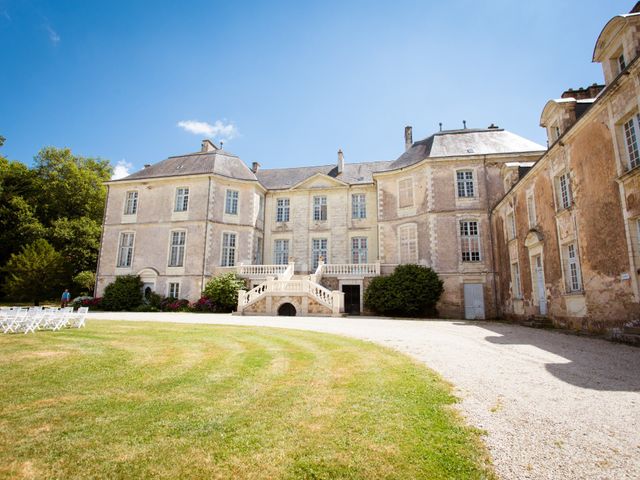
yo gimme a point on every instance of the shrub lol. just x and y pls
(170, 304)
(411, 291)
(91, 302)
(146, 308)
(124, 293)
(85, 280)
(223, 291)
(204, 305)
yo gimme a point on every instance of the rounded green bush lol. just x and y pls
(410, 291)
(223, 291)
(124, 293)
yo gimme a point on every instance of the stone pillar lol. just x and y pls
(337, 298)
(241, 294)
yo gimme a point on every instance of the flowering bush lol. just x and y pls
(203, 305)
(91, 302)
(171, 304)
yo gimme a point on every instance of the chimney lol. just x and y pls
(408, 137)
(255, 166)
(340, 161)
(208, 146)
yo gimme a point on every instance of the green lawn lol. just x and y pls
(154, 400)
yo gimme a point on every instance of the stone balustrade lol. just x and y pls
(351, 269)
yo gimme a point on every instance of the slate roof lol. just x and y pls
(218, 162)
(470, 141)
(353, 174)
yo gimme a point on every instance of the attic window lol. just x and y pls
(621, 63)
(179, 167)
(469, 150)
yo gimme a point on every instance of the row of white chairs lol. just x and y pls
(25, 320)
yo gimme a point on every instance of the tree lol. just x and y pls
(35, 273)
(124, 293)
(410, 291)
(70, 186)
(78, 240)
(85, 281)
(18, 226)
(223, 291)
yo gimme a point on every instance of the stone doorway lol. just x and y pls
(286, 310)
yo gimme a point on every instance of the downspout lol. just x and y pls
(493, 258)
(206, 236)
(104, 219)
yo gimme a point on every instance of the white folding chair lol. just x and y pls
(77, 319)
(15, 321)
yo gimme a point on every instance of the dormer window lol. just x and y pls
(621, 63)
(556, 132)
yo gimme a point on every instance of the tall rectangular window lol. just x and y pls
(228, 250)
(359, 250)
(469, 241)
(318, 250)
(515, 279)
(231, 202)
(631, 138)
(408, 243)
(281, 252)
(564, 190)
(174, 290)
(320, 208)
(131, 203)
(573, 269)
(176, 253)
(257, 254)
(125, 250)
(465, 183)
(358, 205)
(622, 64)
(511, 225)
(282, 210)
(405, 193)
(182, 199)
(531, 211)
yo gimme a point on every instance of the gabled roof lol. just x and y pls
(469, 141)
(218, 162)
(353, 174)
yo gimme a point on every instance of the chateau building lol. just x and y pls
(513, 228)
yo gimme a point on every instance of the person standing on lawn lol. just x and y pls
(66, 297)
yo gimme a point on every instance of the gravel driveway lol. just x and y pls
(554, 405)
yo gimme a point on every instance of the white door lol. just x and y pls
(473, 301)
(542, 298)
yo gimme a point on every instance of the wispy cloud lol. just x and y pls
(122, 169)
(53, 35)
(219, 129)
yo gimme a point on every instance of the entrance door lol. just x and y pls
(473, 301)
(287, 310)
(542, 297)
(147, 289)
(351, 299)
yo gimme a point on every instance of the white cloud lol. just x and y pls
(218, 130)
(53, 35)
(122, 169)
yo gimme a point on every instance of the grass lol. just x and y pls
(147, 400)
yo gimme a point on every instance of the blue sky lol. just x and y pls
(284, 83)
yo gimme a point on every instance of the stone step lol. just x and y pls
(632, 330)
(628, 338)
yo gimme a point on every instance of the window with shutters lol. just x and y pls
(408, 243)
(469, 241)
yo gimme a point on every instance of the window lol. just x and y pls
(318, 249)
(319, 208)
(358, 205)
(260, 207)
(281, 252)
(131, 203)
(182, 199)
(174, 290)
(176, 253)
(531, 210)
(408, 243)
(511, 225)
(359, 250)
(555, 132)
(282, 210)
(405, 192)
(228, 250)
(465, 183)
(231, 203)
(622, 64)
(257, 255)
(572, 269)
(515, 279)
(125, 250)
(469, 241)
(564, 191)
(631, 137)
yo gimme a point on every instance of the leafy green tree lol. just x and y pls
(223, 291)
(78, 240)
(410, 291)
(85, 281)
(36, 273)
(124, 293)
(18, 226)
(70, 186)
